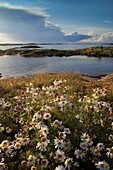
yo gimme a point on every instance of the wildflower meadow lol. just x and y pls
(59, 125)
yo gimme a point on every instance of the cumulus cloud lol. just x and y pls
(22, 24)
(99, 38)
(107, 37)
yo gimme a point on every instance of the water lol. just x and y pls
(67, 46)
(16, 66)
(71, 46)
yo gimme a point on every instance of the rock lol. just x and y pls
(109, 77)
(30, 46)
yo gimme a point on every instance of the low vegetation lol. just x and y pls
(90, 52)
(56, 122)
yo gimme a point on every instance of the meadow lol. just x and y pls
(56, 122)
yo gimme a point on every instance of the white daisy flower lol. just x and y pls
(68, 163)
(44, 163)
(79, 153)
(102, 165)
(83, 145)
(66, 130)
(100, 146)
(60, 155)
(31, 160)
(110, 152)
(2, 166)
(58, 143)
(95, 151)
(8, 130)
(24, 141)
(60, 167)
(1, 129)
(46, 116)
(17, 145)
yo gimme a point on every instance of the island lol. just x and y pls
(99, 52)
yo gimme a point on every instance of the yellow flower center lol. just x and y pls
(96, 150)
(111, 150)
(44, 162)
(24, 139)
(43, 139)
(80, 152)
(101, 165)
(59, 156)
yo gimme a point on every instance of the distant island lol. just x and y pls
(36, 51)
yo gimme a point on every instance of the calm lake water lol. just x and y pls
(16, 66)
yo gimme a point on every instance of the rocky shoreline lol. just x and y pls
(30, 51)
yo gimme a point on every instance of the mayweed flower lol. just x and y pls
(17, 145)
(60, 155)
(58, 143)
(39, 125)
(2, 166)
(36, 117)
(83, 145)
(79, 153)
(67, 145)
(43, 131)
(46, 116)
(89, 142)
(8, 130)
(62, 103)
(60, 167)
(43, 144)
(76, 164)
(68, 163)
(112, 124)
(31, 160)
(1, 129)
(56, 123)
(95, 151)
(100, 146)
(24, 141)
(84, 136)
(67, 130)
(39, 157)
(8, 149)
(44, 163)
(57, 82)
(102, 165)
(62, 135)
(33, 168)
(23, 163)
(110, 137)
(110, 152)
(4, 143)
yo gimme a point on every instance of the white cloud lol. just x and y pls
(23, 24)
(100, 38)
(5, 38)
(107, 37)
(108, 21)
(33, 10)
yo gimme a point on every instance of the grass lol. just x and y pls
(56, 121)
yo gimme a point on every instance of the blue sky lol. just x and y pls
(57, 19)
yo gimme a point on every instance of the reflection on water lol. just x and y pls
(62, 46)
(14, 66)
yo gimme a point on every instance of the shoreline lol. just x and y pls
(31, 51)
(97, 77)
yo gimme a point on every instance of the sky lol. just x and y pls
(56, 21)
